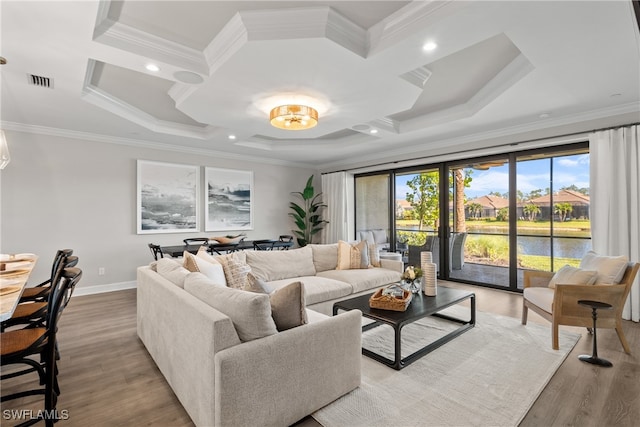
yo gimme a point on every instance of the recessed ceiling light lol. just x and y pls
(429, 46)
(231, 137)
(373, 131)
(152, 67)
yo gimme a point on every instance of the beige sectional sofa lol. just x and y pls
(274, 380)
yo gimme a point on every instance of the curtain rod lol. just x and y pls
(509, 144)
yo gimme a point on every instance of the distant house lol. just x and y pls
(402, 206)
(579, 203)
(490, 206)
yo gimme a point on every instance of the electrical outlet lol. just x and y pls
(101, 271)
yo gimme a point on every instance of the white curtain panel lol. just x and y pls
(337, 189)
(615, 200)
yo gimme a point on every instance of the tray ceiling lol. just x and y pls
(500, 68)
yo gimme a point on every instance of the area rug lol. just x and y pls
(489, 376)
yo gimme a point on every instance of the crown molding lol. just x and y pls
(404, 22)
(136, 143)
(130, 39)
(506, 78)
(226, 43)
(108, 102)
(421, 147)
(418, 77)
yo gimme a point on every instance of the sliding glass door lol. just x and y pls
(479, 222)
(417, 214)
(485, 220)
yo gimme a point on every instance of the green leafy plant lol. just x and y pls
(308, 217)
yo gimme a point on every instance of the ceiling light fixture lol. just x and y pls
(231, 137)
(294, 117)
(373, 131)
(152, 67)
(429, 46)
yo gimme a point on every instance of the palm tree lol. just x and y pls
(531, 211)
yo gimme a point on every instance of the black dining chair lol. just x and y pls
(156, 251)
(263, 245)
(196, 241)
(40, 292)
(285, 242)
(32, 313)
(19, 347)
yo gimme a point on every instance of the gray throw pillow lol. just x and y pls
(287, 303)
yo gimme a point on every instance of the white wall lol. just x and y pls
(68, 193)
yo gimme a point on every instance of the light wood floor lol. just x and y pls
(108, 379)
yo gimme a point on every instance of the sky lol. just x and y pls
(532, 175)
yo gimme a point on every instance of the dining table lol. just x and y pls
(15, 270)
(176, 251)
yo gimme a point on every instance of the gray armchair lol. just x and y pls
(432, 244)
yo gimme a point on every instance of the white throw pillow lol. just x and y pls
(569, 275)
(379, 236)
(213, 271)
(610, 268)
(250, 312)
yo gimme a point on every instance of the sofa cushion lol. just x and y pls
(540, 296)
(569, 275)
(610, 268)
(210, 268)
(325, 257)
(363, 279)
(276, 265)
(379, 236)
(250, 312)
(317, 289)
(354, 255)
(171, 270)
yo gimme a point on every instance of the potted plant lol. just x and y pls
(308, 216)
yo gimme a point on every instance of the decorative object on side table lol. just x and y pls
(393, 297)
(430, 273)
(411, 277)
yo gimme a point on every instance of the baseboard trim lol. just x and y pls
(100, 289)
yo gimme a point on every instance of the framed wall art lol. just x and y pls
(228, 199)
(167, 197)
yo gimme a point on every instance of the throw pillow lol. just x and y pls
(610, 268)
(374, 255)
(249, 312)
(287, 303)
(215, 272)
(288, 306)
(255, 284)
(569, 275)
(235, 272)
(351, 256)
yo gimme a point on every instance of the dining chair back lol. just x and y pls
(196, 241)
(263, 245)
(156, 251)
(19, 347)
(40, 292)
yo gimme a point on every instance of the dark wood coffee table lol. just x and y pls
(421, 306)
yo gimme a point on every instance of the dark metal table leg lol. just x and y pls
(594, 359)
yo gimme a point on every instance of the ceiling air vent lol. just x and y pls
(40, 81)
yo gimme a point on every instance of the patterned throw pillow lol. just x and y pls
(352, 256)
(235, 272)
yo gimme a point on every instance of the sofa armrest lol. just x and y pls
(392, 264)
(281, 378)
(182, 333)
(536, 278)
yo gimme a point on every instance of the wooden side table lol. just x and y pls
(594, 359)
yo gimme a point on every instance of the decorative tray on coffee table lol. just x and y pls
(392, 297)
